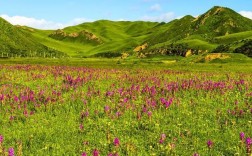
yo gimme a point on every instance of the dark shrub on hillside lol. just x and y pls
(221, 48)
(108, 54)
(246, 49)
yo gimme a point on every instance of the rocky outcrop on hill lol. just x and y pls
(83, 36)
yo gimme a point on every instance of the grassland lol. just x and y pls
(75, 107)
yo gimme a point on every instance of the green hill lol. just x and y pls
(112, 37)
(218, 21)
(218, 29)
(16, 42)
(210, 30)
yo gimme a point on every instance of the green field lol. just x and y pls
(132, 88)
(77, 106)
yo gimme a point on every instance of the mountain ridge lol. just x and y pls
(112, 38)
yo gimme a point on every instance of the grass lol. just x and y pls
(237, 63)
(67, 110)
(117, 37)
(234, 37)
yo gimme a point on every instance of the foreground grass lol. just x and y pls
(236, 64)
(152, 110)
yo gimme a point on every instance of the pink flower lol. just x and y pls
(11, 152)
(106, 109)
(81, 126)
(195, 154)
(249, 141)
(242, 136)
(84, 154)
(209, 144)
(149, 114)
(162, 138)
(95, 152)
(1, 139)
(1, 97)
(116, 142)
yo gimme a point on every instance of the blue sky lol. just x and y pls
(51, 14)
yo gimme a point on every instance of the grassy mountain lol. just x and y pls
(219, 28)
(112, 37)
(218, 21)
(16, 42)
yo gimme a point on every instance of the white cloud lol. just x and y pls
(161, 18)
(41, 23)
(247, 14)
(155, 7)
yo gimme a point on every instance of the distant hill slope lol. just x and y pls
(110, 37)
(15, 42)
(218, 21)
(217, 28)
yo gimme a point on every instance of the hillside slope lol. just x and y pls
(206, 33)
(16, 42)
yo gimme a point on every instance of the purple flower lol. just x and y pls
(242, 135)
(81, 126)
(1, 97)
(95, 152)
(84, 154)
(195, 154)
(106, 109)
(11, 118)
(162, 138)
(11, 152)
(16, 99)
(209, 144)
(110, 154)
(162, 100)
(116, 142)
(249, 141)
(161, 141)
(1, 139)
(118, 114)
(86, 114)
(149, 113)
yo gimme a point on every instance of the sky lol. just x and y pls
(55, 14)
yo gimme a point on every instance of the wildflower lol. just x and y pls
(16, 99)
(149, 114)
(11, 152)
(116, 142)
(209, 144)
(118, 114)
(1, 139)
(162, 100)
(1, 97)
(106, 109)
(242, 135)
(195, 154)
(162, 138)
(81, 126)
(95, 152)
(86, 114)
(25, 113)
(84, 154)
(11, 118)
(248, 141)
